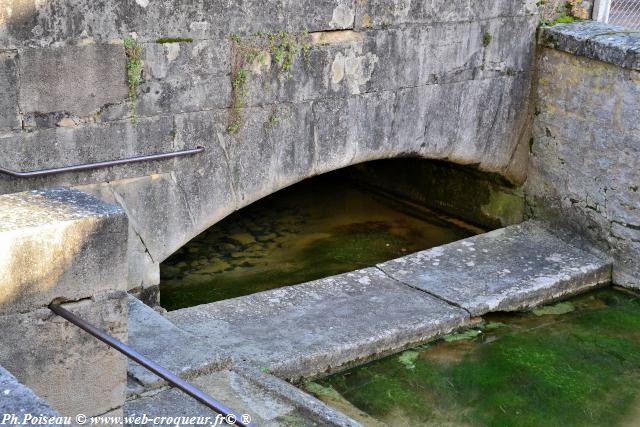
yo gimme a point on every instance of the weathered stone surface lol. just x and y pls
(308, 139)
(382, 13)
(242, 395)
(21, 402)
(58, 243)
(311, 407)
(424, 80)
(74, 79)
(182, 353)
(462, 192)
(64, 365)
(583, 174)
(30, 22)
(597, 40)
(9, 90)
(322, 325)
(504, 270)
(67, 146)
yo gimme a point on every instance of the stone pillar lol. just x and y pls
(65, 246)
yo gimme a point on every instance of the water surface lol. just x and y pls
(575, 363)
(320, 227)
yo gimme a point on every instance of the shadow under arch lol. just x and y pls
(343, 220)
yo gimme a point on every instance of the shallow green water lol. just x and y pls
(320, 227)
(576, 363)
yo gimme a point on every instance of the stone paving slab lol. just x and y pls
(504, 270)
(20, 401)
(180, 352)
(245, 394)
(320, 326)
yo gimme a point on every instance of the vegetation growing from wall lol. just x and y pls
(563, 12)
(164, 40)
(133, 50)
(280, 48)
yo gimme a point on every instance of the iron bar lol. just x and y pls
(163, 373)
(99, 165)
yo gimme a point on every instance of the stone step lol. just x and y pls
(266, 400)
(320, 326)
(180, 352)
(509, 269)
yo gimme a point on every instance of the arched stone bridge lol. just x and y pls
(371, 80)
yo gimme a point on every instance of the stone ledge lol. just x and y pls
(59, 244)
(508, 269)
(605, 42)
(20, 401)
(44, 207)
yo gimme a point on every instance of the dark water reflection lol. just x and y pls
(320, 227)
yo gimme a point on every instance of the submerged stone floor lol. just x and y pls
(316, 328)
(573, 363)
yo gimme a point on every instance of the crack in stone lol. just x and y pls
(122, 203)
(438, 297)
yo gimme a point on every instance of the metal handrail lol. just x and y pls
(98, 165)
(163, 373)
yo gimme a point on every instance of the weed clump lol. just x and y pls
(281, 48)
(133, 51)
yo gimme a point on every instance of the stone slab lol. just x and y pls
(59, 244)
(310, 406)
(504, 270)
(18, 400)
(321, 326)
(9, 90)
(240, 394)
(70, 369)
(75, 79)
(180, 352)
(597, 40)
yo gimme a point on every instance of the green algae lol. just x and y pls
(466, 335)
(579, 368)
(321, 227)
(556, 309)
(408, 359)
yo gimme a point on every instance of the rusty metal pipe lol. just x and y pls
(99, 165)
(163, 373)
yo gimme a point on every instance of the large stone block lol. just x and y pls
(95, 142)
(9, 90)
(64, 365)
(74, 79)
(31, 22)
(58, 244)
(384, 13)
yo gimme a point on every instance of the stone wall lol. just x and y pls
(63, 246)
(481, 199)
(373, 79)
(584, 174)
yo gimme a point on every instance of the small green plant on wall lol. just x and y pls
(281, 48)
(133, 50)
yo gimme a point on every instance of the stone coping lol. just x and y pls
(41, 207)
(605, 42)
